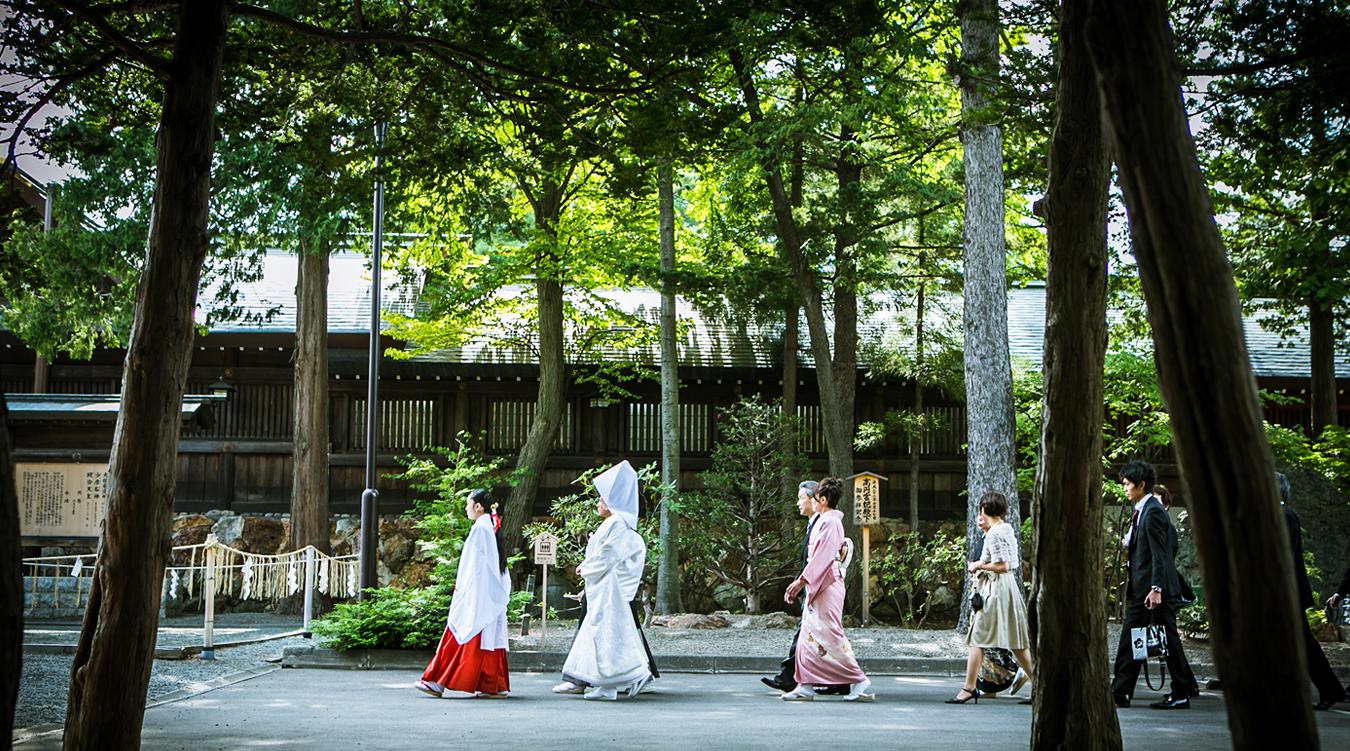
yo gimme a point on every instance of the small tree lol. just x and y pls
(742, 509)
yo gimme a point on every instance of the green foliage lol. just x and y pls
(443, 481)
(388, 618)
(393, 618)
(1328, 454)
(915, 565)
(574, 518)
(737, 521)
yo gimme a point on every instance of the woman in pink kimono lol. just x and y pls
(824, 656)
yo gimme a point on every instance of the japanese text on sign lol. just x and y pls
(61, 500)
(866, 500)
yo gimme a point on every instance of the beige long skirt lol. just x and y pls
(1002, 622)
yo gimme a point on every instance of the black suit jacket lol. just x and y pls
(1153, 550)
(1305, 598)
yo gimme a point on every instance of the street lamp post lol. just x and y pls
(370, 533)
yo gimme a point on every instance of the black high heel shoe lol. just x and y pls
(974, 694)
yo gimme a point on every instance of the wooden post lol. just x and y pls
(543, 607)
(209, 600)
(867, 572)
(309, 589)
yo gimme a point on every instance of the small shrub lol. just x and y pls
(391, 618)
(914, 567)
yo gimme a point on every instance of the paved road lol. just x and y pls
(321, 709)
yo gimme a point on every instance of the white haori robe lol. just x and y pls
(482, 590)
(608, 651)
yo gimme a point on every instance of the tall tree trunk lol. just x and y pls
(549, 404)
(1206, 381)
(111, 667)
(916, 441)
(309, 453)
(668, 598)
(838, 426)
(11, 585)
(1322, 343)
(991, 454)
(1072, 688)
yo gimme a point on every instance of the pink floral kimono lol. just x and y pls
(824, 655)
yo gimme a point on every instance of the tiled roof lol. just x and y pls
(348, 295)
(708, 338)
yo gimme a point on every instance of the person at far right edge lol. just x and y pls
(1329, 689)
(1152, 589)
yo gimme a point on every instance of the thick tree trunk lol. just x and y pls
(1072, 688)
(309, 477)
(668, 598)
(1206, 381)
(549, 404)
(11, 585)
(991, 454)
(833, 399)
(1322, 343)
(111, 667)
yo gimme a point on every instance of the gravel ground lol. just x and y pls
(174, 632)
(43, 687)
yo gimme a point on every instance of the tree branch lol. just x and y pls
(158, 65)
(61, 83)
(421, 42)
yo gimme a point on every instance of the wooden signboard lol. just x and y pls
(61, 500)
(546, 550)
(866, 512)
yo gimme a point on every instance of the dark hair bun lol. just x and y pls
(831, 489)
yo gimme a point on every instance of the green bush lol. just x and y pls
(391, 618)
(914, 566)
(387, 618)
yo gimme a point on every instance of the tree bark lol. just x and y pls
(991, 454)
(1072, 694)
(916, 441)
(1206, 381)
(834, 398)
(1322, 343)
(549, 403)
(111, 667)
(309, 475)
(11, 585)
(668, 598)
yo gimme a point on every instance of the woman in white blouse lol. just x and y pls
(1002, 620)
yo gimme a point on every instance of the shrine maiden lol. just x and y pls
(471, 657)
(609, 653)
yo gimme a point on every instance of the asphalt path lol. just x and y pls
(327, 709)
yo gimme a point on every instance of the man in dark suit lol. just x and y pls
(1153, 590)
(786, 680)
(1329, 689)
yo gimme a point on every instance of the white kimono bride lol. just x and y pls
(608, 653)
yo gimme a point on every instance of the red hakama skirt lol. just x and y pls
(468, 667)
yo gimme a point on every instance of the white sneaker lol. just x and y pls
(803, 692)
(640, 686)
(568, 687)
(859, 692)
(601, 694)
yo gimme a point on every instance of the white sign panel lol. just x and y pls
(61, 500)
(546, 549)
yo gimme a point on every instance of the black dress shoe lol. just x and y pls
(777, 685)
(1214, 684)
(1326, 704)
(1169, 703)
(1122, 701)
